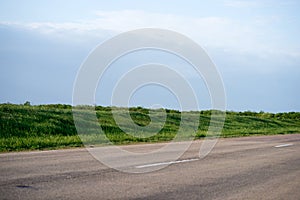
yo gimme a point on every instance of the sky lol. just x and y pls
(255, 46)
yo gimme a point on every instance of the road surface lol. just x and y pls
(264, 167)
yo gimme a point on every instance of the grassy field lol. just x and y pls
(26, 127)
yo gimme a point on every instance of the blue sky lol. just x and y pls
(254, 44)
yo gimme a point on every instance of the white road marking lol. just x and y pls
(283, 145)
(166, 163)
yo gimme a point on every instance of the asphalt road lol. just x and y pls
(265, 167)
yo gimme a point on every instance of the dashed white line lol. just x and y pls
(283, 145)
(166, 163)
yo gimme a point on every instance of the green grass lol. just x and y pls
(25, 127)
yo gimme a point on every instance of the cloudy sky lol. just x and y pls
(255, 45)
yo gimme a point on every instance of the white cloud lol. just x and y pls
(242, 3)
(229, 34)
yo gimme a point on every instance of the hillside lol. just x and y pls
(26, 127)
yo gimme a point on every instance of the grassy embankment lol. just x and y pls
(25, 127)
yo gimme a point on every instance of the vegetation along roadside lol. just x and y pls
(30, 127)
